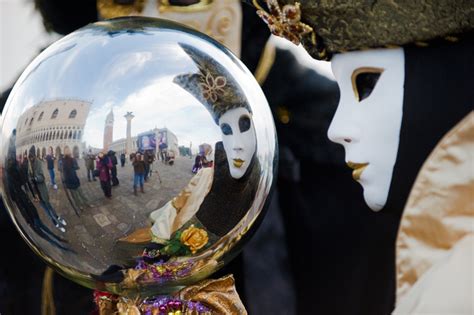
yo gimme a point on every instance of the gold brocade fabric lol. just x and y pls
(219, 19)
(338, 26)
(219, 295)
(438, 220)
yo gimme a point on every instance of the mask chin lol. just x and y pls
(236, 173)
(375, 198)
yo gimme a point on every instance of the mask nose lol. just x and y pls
(237, 143)
(343, 130)
(237, 148)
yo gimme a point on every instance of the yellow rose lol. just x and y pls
(194, 238)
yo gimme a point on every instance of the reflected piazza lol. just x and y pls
(137, 156)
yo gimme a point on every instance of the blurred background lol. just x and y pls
(22, 36)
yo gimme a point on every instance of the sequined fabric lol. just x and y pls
(220, 295)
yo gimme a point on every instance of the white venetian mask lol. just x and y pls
(238, 137)
(369, 116)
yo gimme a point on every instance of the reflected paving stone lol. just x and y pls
(83, 235)
(102, 220)
(104, 210)
(123, 227)
(113, 219)
(153, 204)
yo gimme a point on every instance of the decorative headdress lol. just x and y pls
(212, 85)
(334, 26)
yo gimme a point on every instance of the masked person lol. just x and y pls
(274, 68)
(394, 63)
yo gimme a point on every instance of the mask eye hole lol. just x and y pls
(244, 123)
(226, 129)
(364, 81)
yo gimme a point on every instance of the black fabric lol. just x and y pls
(254, 37)
(19, 290)
(64, 17)
(229, 196)
(438, 94)
(310, 100)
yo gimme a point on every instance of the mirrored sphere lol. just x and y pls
(137, 155)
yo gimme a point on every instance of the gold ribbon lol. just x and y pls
(47, 295)
(219, 295)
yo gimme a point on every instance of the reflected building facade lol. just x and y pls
(120, 146)
(55, 124)
(163, 134)
(169, 138)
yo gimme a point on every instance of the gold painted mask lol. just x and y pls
(220, 19)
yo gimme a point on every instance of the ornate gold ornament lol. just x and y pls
(285, 22)
(213, 87)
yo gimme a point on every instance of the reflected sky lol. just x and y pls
(126, 72)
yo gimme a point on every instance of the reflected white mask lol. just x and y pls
(238, 137)
(369, 116)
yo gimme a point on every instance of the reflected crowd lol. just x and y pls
(40, 176)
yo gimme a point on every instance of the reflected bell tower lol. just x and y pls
(109, 130)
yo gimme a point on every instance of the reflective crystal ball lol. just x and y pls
(137, 155)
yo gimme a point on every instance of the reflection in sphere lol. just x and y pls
(137, 155)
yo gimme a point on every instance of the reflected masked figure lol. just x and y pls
(218, 197)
